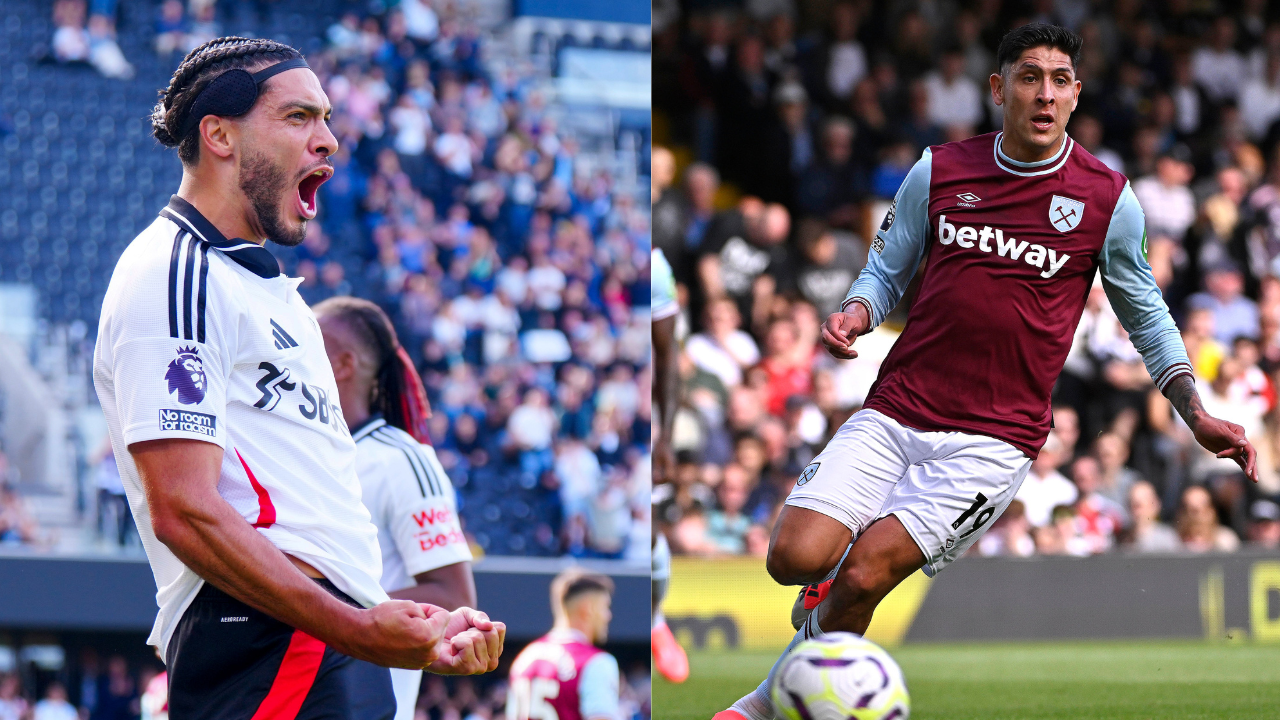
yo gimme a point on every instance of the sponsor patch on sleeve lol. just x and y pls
(888, 217)
(877, 244)
(187, 421)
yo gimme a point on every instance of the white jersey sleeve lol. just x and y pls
(598, 688)
(169, 347)
(417, 505)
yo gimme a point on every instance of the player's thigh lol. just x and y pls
(837, 496)
(948, 501)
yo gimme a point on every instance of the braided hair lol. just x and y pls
(197, 70)
(397, 390)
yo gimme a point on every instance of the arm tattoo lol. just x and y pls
(1182, 394)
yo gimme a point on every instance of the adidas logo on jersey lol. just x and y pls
(965, 236)
(283, 339)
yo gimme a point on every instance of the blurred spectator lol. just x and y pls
(954, 99)
(12, 705)
(117, 690)
(829, 263)
(1044, 487)
(1097, 517)
(1264, 525)
(726, 525)
(115, 517)
(1087, 131)
(846, 63)
(1166, 200)
(1115, 479)
(54, 706)
(723, 349)
(70, 38)
(1217, 66)
(1234, 315)
(1260, 99)
(1010, 535)
(829, 187)
(171, 28)
(16, 524)
(1198, 525)
(1146, 534)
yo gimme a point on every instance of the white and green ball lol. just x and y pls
(840, 676)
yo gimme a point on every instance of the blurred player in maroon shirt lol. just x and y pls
(564, 675)
(1011, 227)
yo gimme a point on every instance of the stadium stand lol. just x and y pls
(465, 203)
(788, 126)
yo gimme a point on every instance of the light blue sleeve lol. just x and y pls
(598, 688)
(1134, 295)
(898, 246)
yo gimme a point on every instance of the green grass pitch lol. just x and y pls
(1032, 681)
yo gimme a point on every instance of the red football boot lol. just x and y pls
(668, 656)
(808, 599)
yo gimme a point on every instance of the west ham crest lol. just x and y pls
(186, 375)
(808, 474)
(1065, 213)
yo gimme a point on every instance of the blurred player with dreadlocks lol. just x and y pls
(223, 416)
(425, 557)
(668, 656)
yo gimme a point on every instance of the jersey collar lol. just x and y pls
(371, 423)
(1040, 167)
(254, 258)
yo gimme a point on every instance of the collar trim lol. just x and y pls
(364, 429)
(1033, 169)
(254, 258)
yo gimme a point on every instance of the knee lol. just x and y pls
(789, 565)
(860, 583)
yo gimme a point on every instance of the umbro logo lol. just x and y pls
(283, 339)
(968, 199)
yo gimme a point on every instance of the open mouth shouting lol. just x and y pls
(1042, 121)
(307, 188)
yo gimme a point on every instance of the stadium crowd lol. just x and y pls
(512, 262)
(790, 126)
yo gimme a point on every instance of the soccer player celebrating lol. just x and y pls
(224, 417)
(563, 675)
(425, 557)
(1014, 225)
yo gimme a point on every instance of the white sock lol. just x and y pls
(756, 705)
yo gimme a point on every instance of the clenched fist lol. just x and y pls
(842, 328)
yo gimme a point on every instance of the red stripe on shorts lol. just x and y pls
(266, 510)
(294, 679)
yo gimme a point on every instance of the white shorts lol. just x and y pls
(946, 488)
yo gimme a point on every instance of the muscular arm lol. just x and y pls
(450, 587)
(896, 251)
(180, 479)
(666, 386)
(1226, 439)
(1139, 306)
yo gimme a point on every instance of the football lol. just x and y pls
(840, 676)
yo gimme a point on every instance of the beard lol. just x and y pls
(265, 183)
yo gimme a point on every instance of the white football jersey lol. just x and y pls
(203, 338)
(412, 502)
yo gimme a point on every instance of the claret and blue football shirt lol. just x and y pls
(1011, 249)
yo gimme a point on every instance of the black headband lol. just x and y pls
(233, 93)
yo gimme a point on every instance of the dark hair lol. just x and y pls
(574, 582)
(397, 389)
(1018, 40)
(196, 71)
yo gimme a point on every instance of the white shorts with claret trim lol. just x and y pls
(946, 488)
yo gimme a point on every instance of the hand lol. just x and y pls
(471, 644)
(399, 633)
(1228, 441)
(842, 328)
